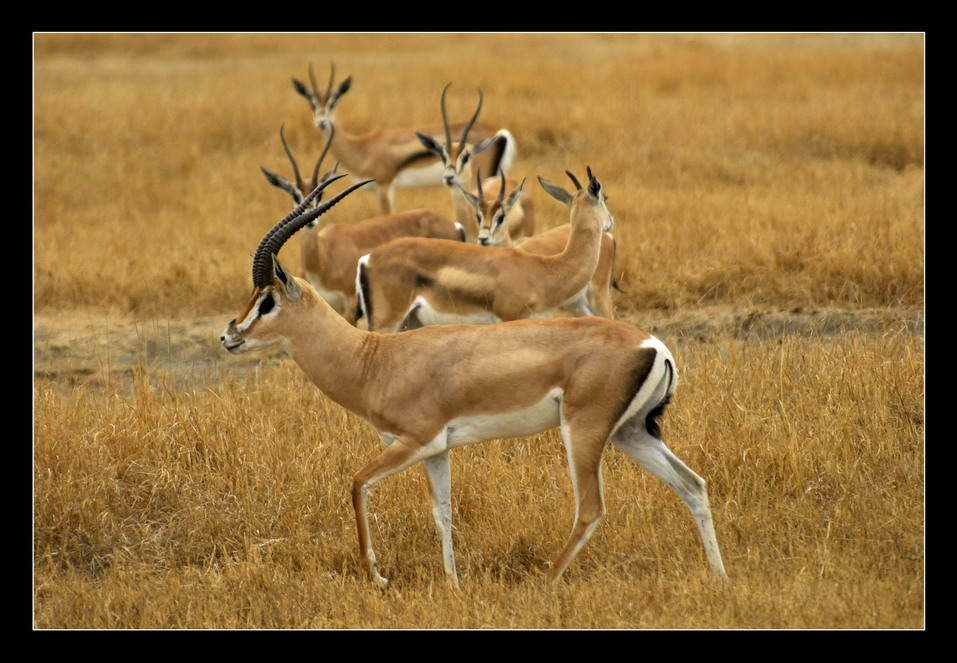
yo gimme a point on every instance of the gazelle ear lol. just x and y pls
(556, 191)
(279, 182)
(483, 145)
(473, 201)
(303, 90)
(515, 195)
(343, 88)
(329, 174)
(429, 143)
(289, 286)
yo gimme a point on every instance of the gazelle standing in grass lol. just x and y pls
(392, 157)
(330, 255)
(595, 298)
(430, 390)
(457, 160)
(416, 282)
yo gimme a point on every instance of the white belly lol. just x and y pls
(421, 177)
(429, 316)
(536, 418)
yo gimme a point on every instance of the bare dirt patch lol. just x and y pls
(98, 350)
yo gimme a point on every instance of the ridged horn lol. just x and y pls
(288, 226)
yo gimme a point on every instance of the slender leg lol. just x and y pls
(584, 448)
(652, 454)
(399, 455)
(439, 474)
(386, 198)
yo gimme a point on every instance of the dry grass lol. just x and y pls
(754, 172)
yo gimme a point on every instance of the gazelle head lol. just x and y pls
(490, 214)
(323, 104)
(275, 289)
(591, 195)
(299, 188)
(456, 156)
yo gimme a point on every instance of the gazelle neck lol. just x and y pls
(579, 259)
(330, 351)
(464, 214)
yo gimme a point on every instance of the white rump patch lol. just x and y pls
(653, 383)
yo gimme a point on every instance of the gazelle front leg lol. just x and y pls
(386, 195)
(439, 473)
(402, 453)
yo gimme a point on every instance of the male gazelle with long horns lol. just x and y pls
(393, 157)
(415, 282)
(430, 390)
(457, 160)
(492, 218)
(329, 255)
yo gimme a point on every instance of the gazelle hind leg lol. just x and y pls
(439, 474)
(584, 449)
(652, 454)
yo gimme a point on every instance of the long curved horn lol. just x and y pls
(501, 192)
(288, 226)
(574, 179)
(478, 185)
(312, 79)
(292, 159)
(445, 119)
(325, 150)
(260, 278)
(468, 127)
(332, 78)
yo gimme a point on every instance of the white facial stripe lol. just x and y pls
(253, 314)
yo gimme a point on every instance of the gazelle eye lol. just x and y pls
(266, 306)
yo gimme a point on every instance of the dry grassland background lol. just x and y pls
(768, 192)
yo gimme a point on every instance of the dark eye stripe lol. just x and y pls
(266, 306)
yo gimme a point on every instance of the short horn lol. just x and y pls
(574, 179)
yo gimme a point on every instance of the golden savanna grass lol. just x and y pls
(748, 175)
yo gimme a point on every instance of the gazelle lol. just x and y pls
(430, 390)
(329, 256)
(457, 158)
(415, 282)
(393, 157)
(595, 299)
